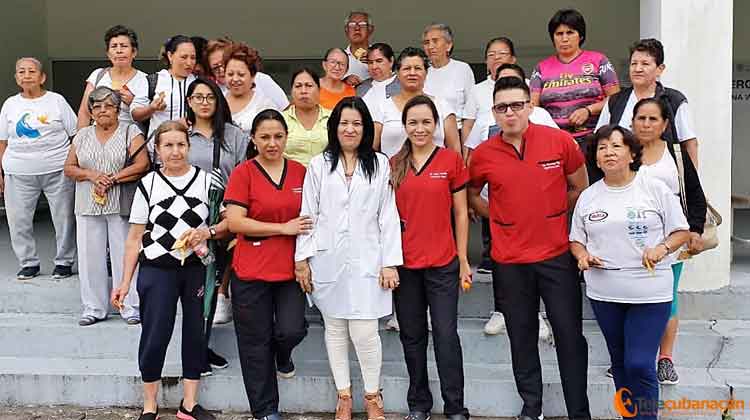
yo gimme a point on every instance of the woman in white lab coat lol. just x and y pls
(348, 262)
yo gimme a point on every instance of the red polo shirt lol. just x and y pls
(268, 258)
(528, 192)
(424, 200)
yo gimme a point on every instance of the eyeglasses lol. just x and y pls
(208, 99)
(334, 63)
(514, 106)
(357, 25)
(498, 54)
(102, 107)
(217, 67)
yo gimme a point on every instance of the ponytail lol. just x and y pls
(400, 164)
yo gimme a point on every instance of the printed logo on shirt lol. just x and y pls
(567, 80)
(587, 68)
(24, 129)
(548, 165)
(597, 216)
(637, 225)
(438, 175)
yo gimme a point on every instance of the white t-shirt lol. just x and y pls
(393, 135)
(665, 170)
(681, 119)
(271, 90)
(174, 96)
(244, 118)
(617, 224)
(38, 132)
(377, 94)
(356, 67)
(452, 83)
(138, 86)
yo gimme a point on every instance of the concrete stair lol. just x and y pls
(46, 358)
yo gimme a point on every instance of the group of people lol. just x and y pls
(356, 196)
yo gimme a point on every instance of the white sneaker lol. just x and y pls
(223, 310)
(495, 325)
(544, 331)
(392, 324)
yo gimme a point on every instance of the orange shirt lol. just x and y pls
(329, 99)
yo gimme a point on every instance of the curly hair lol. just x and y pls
(244, 53)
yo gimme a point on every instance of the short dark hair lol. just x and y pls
(515, 67)
(368, 159)
(650, 46)
(509, 83)
(412, 52)
(265, 115)
(120, 30)
(313, 74)
(628, 139)
(660, 102)
(384, 49)
(170, 46)
(505, 40)
(568, 17)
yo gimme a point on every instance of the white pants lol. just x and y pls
(366, 339)
(94, 233)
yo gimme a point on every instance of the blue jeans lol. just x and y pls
(633, 332)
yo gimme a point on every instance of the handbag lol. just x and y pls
(710, 234)
(127, 189)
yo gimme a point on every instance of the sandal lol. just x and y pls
(374, 406)
(344, 407)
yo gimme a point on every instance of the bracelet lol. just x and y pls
(589, 111)
(669, 250)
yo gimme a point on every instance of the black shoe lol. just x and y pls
(485, 267)
(418, 415)
(149, 416)
(522, 417)
(457, 416)
(197, 413)
(62, 272)
(273, 416)
(285, 368)
(207, 371)
(28, 273)
(216, 361)
(608, 373)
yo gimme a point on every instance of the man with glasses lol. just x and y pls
(358, 27)
(534, 174)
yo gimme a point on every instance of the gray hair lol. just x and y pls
(358, 12)
(445, 29)
(102, 94)
(34, 60)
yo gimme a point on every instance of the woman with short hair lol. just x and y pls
(382, 83)
(306, 118)
(624, 229)
(36, 126)
(240, 67)
(167, 240)
(348, 263)
(121, 43)
(332, 86)
(97, 162)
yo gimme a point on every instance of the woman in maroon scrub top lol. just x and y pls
(263, 198)
(430, 183)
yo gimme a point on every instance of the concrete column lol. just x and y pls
(697, 38)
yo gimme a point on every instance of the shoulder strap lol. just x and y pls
(100, 75)
(616, 104)
(681, 174)
(152, 79)
(128, 157)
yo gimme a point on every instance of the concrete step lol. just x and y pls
(30, 335)
(46, 295)
(489, 391)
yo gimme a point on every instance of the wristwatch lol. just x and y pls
(212, 231)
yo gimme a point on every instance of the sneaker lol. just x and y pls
(62, 272)
(495, 325)
(223, 310)
(666, 373)
(522, 417)
(273, 416)
(149, 416)
(544, 331)
(197, 413)
(609, 373)
(285, 369)
(392, 324)
(485, 267)
(216, 361)
(417, 415)
(207, 371)
(28, 273)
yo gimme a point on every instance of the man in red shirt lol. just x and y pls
(534, 174)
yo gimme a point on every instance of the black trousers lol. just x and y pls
(435, 289)
(269, 319)
(556, 281)
(158, 291)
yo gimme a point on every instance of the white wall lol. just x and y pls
(23, 32)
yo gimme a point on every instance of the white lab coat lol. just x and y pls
(356, 232)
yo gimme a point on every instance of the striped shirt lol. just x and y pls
(108, 158)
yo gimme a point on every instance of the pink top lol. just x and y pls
(565, 87)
